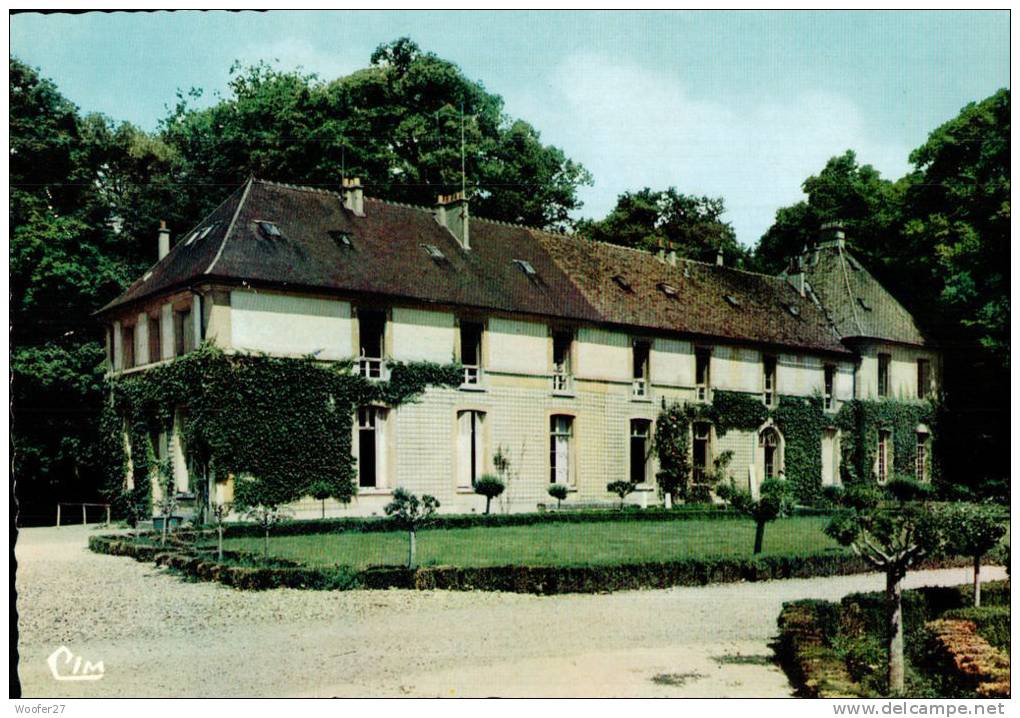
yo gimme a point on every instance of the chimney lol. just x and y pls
(719, 258)
(833, 232)
(795, 275)
(354, 196)
(452, 213)
(671, 257)
(164, 239)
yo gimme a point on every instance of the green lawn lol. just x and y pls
(610, 542)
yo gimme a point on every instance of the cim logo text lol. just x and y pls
(65, 666)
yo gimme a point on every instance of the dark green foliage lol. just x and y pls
(621, 488)
(861, 421)
(738, 411)
(490, 487)
(972, 529)
(774, 501)
(650, 220)
(558, 492)
(283, 425)
(907, 488)
(992, 623)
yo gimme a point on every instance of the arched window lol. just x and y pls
(768, 440)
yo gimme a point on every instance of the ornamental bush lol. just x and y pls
(490, 487)
(621, 489)
(558, 492)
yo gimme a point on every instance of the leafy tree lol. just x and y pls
(558, 492)
(972, 530)
(774, 501)
(411, 514)
(691, 226)
(397, 124)
(621, 488)
(320, 491)
(266, 516)
(220, 513)
(893, 539)
(490, 487)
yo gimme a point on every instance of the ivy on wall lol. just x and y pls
(281, 425)
(801, 421)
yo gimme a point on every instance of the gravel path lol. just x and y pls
(160, 636)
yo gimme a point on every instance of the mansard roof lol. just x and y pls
(857, 304)
(324, 247)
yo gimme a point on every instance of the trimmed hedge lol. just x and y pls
(246, 571)
(464, 521)
(965, 663)
(991, 622)
(806, 629)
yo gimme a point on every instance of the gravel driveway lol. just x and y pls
(160, 636)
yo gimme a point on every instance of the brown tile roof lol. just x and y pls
(857, 304)
(574, 277)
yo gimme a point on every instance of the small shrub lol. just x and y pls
(621, 489)
(906, 488)
(832, 496)
(558, 492)
(411, 514)
(490, 487)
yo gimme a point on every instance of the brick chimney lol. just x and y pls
(833, 232)
(719, 258)
(354, 196)
(164, 239)
(452, 213)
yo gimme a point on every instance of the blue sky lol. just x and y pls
(744, 105)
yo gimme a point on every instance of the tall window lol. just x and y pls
(640, 385)
(702, 376)
(371, 447)
(830, 381)
(184, 332)
(769, 371)
(371, 333)
(701, 456)
(561, 429)
(470, 447)
(127, 347)
(921, 459)
(471, 351)
(769, 442)
(155, 340)
(562, 342)
(882, 460)
(923, 378)
(883, 374)
(640, 435)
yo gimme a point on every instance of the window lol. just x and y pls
(371, 447)
(883, 374)
(270, 230)
(525, 266)
(371, 333)
(640, 435)
(768, 440)
(793, 309)
(882, 460)
(830, 380)
(560, 433)
(127, 347)
(622, 283)
(921, 458)
(701, 456)
(341, 238)
(471, 351)
(562, 342)
(434, 252)
(184, 332)
(731, 300)
(155, 340)
(863, 304)
(702, 377)
(470, 448)
(923, 378)
(668, 289)
(769, 379)
(639, 387)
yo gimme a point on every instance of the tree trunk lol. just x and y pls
(759, 536)
(894, 613)
(410, 549)
(557, 504)
(219, 543)
(166, 520)
(977, 581)
(488, 500)
(265, 550)
(323, 508)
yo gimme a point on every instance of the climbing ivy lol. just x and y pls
(280, 425)
(801, 421)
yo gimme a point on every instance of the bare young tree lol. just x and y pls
(411, 513)
(220, 513)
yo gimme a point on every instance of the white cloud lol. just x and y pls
(633, 127)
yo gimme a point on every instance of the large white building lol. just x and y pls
(570, 348)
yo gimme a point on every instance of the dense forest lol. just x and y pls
(87, 192)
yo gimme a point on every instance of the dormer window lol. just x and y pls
(269, 230)
(863, 304)
(525, 266)
(341, 238)
(434, 252)
(793, 309)
(731, 300)
(668, 289)
(622, 283)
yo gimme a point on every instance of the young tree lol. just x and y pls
(774, 500)
(320, 490)
(558, 492)
(893, 538)
(621, 488)
(411, 514)
(266, 516)
(220, 513)
(167, 503)
(490, 487)
(972, 530)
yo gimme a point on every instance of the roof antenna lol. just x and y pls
(463, 180)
